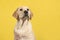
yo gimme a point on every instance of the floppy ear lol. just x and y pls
(15, 15)
(31, 15)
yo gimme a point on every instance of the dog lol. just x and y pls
(23, 28)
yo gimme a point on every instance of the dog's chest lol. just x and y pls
(24, 32)
(25, 28)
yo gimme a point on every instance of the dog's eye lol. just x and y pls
(20, 9)
(27, 9)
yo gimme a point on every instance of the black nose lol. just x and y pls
(26, 13)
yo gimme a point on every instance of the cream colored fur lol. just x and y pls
(23, 32)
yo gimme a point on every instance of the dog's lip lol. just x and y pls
(26, 16)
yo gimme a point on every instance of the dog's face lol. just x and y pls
(22, 13)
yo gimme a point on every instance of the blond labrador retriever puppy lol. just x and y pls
(23, 28)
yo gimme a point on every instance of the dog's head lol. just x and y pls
(22, 13)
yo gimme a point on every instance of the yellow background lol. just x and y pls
(45, 22)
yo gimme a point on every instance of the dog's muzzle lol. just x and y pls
(26, 13)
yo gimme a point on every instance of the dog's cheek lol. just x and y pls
(31, 14)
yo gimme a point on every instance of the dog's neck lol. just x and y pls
(22, 22)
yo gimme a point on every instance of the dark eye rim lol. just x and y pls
(21, 9)
(27, 9)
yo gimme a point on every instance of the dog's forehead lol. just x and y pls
(23, 7)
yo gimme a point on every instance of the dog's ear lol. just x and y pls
(15, 15)
(31, 15)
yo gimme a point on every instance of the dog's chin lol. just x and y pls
(25, 18)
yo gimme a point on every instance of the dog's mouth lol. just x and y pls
(25, 17)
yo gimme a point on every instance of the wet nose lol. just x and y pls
(26, 13)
